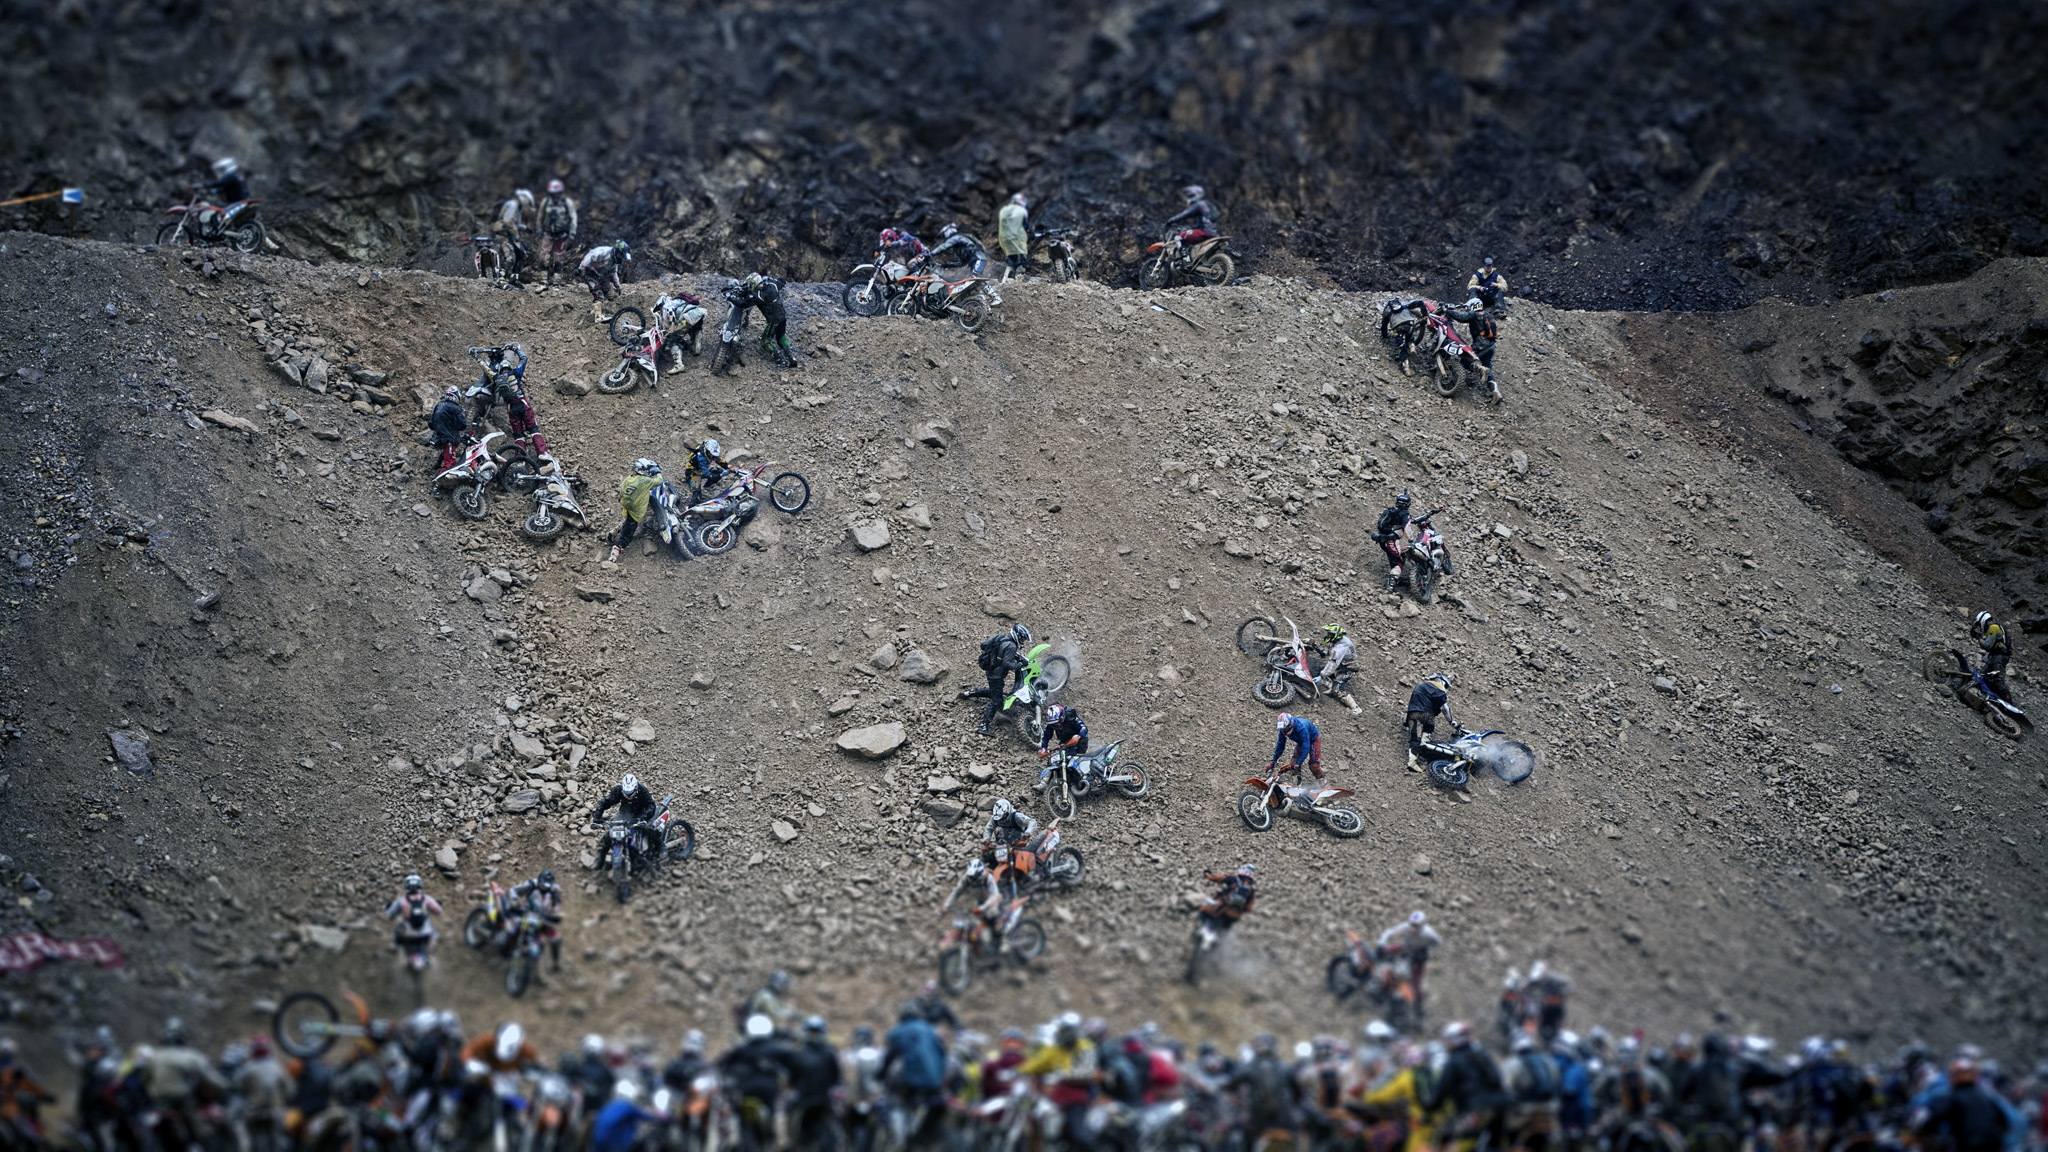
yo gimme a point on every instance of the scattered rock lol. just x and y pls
(228, 419)
(933, 433)
(884, 657)
(321, 936)
(1169, 674)
(316, 375)
(575, 386)
(941, 785)
(640, 731)
(869, 535)
(446, 860)
(1664, 684)
(368, 377)
(1422, 864)
(528, 748)
(1003, 607)
(981, 773)
(1851, 796)
(207, 602)
(484, 590)
(784, 830)
(703, 680)
(594, 595)
(919, 668)
(944, 813)
(422, 510)
(131, 751)
(875, 741)
(1520, 460)
(1239, 548)
(918, 515)
(524, 800)
(840, 707)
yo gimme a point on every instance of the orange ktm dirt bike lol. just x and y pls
(1173, 260)
(1257, 808)
(1044, 865)
(1387, 980)
(974, 940)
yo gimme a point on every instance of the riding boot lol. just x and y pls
(1414, 765)
(1393, 579)
(1350, 702)
(612, 557)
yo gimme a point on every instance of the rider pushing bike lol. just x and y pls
(1308, 744)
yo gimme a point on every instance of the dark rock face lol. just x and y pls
(1641, 156)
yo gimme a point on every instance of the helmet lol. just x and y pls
(1474, 304)
(451, 393)
(1458, 1033)
(510, 1037)
(752, 282)
(1512, 980)
(1192, 193)
(225, 167)
(1983, 620)
(555, 188)
(949, 231)
(1523, 1043)
(929, 989)
(1417, 918)
(693, 1041)
(1055, 714)
(1962, 1070)
(864, 1036)
(814, 1025)
(546, 878)
(413, 883)
(1020, 634)
(1265, 1043)
(623, 249)
(1402, 500)
(1445, 678)
(629, 783)
(1379, 1032)
(1020, 200)
(645, 467)
(1283, 720)
(1246, 871)
(1537, 970)
(1066, 1028)
(889, 236)
(626, 1088)
(1001, 808)
(524, 196)
(778, 981)
(1566, 1044)
(593, 1045)
(1333, 632)
(174, 1031)
(711, 446)
(449, 1023)
(1011, 1038)
(976, 869)
(259, 1047)
(759, 1026)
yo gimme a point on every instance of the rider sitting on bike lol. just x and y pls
(765, 293)
(706, 467)
(1068, 1068)
(990, 904)
(448, 423)
(1391, 533)
(1200, 213)
(543, 898)
(413, 911)
(1338, 669)
(1430, 698)
(633, 801)
(636, 504)
(1997, 645)
(227, 188)
(1412, 938)
(1308, 744)
(1008, 825)
(1235, 893)
(1063, 729)
(899, 245)
(957, 249)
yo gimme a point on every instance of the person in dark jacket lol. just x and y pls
(1390, 534)
(753, 1074)
(812, 1068)
(957, 249)
(634, 801)
(1483, 334)
(766, 294)
(1430, 699)
(1271, 1093)
(1199, 215)
(448, 423)
(1063, 729)
(914, 1065)
(1001, 656)
(1973, 1118)
(1471, 1086)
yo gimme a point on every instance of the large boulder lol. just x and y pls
(875, 741)
(869, 535)
(919, 668)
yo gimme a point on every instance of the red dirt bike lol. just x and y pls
(1288, 672)
(1451, 361)
(719, 519)
(467, 479)
(203, 224)
(1256, 808)
(974, 939)
(971, 300)
(1172, 259)
(1425, 558)
(640, 358)
(1386, 979)
(681, 323)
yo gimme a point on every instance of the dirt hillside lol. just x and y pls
(1750, 812)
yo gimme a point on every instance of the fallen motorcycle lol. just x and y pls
(1451, 361)
(973, 939)
(1042, 677)
(680, 319)
(1288, 673)
(715, 523)
(1257, 807)
(1386, 980)
(630, 844)
(555, 507)
(1451, 762)
(638, 359)
(468, 477)
(1067, 777)
(203, 224)
(1952, 670)
(1172, 259)
(1044, 865)
(1425, 558)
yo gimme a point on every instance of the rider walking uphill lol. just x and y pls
(1001, 655)
(448, 423)
(1485, 336)
(1390, 534)
(603, 269)
(764, 293)
(413, 911)
(507, 384)
(557, 227)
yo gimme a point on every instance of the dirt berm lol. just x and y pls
(1750, 811)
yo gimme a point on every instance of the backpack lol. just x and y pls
(989, 649)
(1541, 1084)
(555, 217)
(1484, 328)
(1268, 1083)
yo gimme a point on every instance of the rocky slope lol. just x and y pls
(1685, 157)
(1750, 811)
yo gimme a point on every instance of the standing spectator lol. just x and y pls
(1012, 233)
(557, 228)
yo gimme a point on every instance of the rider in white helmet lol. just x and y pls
(1413, 938)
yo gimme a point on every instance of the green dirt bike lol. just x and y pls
(1042, 677)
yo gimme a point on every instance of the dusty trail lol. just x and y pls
(1714, 833)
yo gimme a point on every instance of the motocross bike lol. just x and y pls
(1059, 252)
(1206, 263)
(205, 225)
(490, 925)
(1451, 361)
(555, 507)
(529, 933)
(1387, 980)
(1042, 677)
(554, 1109)
(719, 519)
(971, 300)
(680, 319)
(641, 358)
(1288, 673)
(1067, 777)
(628, 843)
(1952, 669)
(306, 1024)
(1404, 325)
(1211, 925)
(1424, 557)
(873, 286)
(511, 1110)
(1451, 762)
(1044, 865)
(414, 949)
(1257, 808)
(519, 462)
(665, 520)
(973, 939)
(470, 475)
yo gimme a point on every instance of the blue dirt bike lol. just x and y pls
(1952, 669)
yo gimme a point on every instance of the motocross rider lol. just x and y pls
(1001, 655)
(1485, 337)
(1488, 285)
(1012, 233)
(1063, 729)
(448, 423)
(956, 249)
(506, 381)
(543, 897)
(227, 188)
(1430, 698)
(636, 504)
(21, 1098)
(512, 219)
(176, 1071)
(1308, 744)
(677, 314)
(1234, 896)
(557, 228)
(1390, 534)
(990, 904)
(413, 911)
(1200, 214)
(1068, 1066)
(771, 1000)
(1008, 825)
(898, 245)
(1338, 669)
(632, 799)
(505, 1050)
(1547, 991)
(1470, 1083)
(1997, 645)
(1412, 938)
(706, 467)
(603, 270)
(765, 293)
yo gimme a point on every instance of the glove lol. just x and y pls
(1044, 754)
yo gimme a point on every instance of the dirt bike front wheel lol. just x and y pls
(790, 492)
(1255, 636)
(543, 527)
(974, 315)
(472, 503)
(169, 234)
(627, 325)
(716, 539)
(1060, 797)
(1217, 270)
(618, 381)
(1026, 941)
(863, 298)
(1448, 378)
(956, 970)
(303, 1024)
(519, 974)
(1143, 783)
(2002, 724)
(1449, 773)
(1252, 809)
(1344, 822)
(1425, 581)
(1030, 726)
(1274, 691)
(519, 476)
(726, 358)
(247, 237)
(476, 930)
(1941, 665)
(1154, 274)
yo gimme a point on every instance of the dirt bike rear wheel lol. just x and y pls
(1060, 797)
(680, 841)
(519, 476)
(246, 237)
(1341, 978)
(1940, 665)
(627, 325)
(863, 298)
(1449, 773)
(476, 930)
(1026, 941)
(1065, 867)
(1054, 672)
(543, 526)
(790, 492)
(1255, 636)
(1194, 973)
(1252, 809)
(294, 1013)
(1344, 822)
(1274, 691)
(1216, 269)
(1133, 768)
(1511, 760)
(956, 970)
(974, 315)
(2002, 724)
(472, 503)
(716, 539)
(519, 974)
(168, 234)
